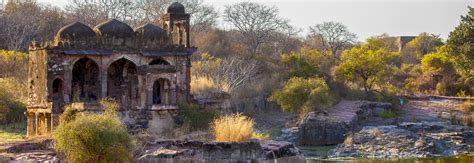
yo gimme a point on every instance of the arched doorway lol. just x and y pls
(159, 61)
(161, 92)
(122, 83)
(58, 95)
(85, 85)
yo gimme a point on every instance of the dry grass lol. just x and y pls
(233, 128)
(204, 86)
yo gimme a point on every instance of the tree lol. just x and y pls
(331, 36)
(438, 71)
(303, 94)
(367, 65)
(256, 23)
(228, 74)
(422, 44)
(460, 45)
(298, 65)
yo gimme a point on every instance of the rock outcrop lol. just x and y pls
(331, 128)
(198, 151)
(407, 140)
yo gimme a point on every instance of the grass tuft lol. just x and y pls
(233, 128)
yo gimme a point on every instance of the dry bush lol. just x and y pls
(233, 128)
(206, 87)
(467, 107)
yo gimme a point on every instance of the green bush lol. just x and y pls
(387, 114)
(92, 137)
(196, 118)
(11, 101)
(301, 94)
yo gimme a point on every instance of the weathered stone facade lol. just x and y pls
(146, 70)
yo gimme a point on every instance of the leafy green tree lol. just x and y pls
(368, 65)
(299, 64)
(460, 44)
(92, 137)
(299, 93)
(422, 44)
(438, 69)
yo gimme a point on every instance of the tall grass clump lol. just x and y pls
(233, 128)
(93, 137)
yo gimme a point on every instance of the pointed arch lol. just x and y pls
(161, 91)
(85, 84)
(122, 82)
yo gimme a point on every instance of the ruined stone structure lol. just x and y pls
(146, 70)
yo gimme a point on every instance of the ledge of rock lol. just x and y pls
(253, 151)
(331, 128)
(408, 140)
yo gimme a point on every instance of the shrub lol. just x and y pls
(312, 93)
(387, 114)
(467, 107)
(261, 136)
(233, 128)
(11, 101)
(91, 137)
(68, 115)
(195, 118)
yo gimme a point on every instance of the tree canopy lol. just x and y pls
(367, 65)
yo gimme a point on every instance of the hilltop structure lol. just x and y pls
(146, 70)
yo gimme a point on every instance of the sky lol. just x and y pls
(364, 17)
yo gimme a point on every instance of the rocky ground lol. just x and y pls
(34, 150)
(407, 140)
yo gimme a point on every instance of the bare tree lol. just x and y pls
(138, 12)
(19, 24)
(331, 36)
(256, 22)
(229, 73)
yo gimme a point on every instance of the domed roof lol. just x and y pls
(176, 8)
(75, 30)
(114, 28)
(150, 31)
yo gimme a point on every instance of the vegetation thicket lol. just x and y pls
(94, 137)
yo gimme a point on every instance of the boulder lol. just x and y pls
(318, 129)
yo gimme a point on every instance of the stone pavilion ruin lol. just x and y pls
(146, 70)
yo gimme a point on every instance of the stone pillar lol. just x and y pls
(103, 82)
(30, 125)
(187, 35)
(37, 124)
(42, 127)
(180, 35)
(49, 123)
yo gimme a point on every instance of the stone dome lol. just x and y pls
(74, 31)
(114, 28)
(151, 32)
(176, 8)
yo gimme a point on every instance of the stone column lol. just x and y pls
(38, 124)
(49, 123)
(43, 126)
(103, 82)
(30, 126)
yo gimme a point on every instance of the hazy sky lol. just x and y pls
(364, 17)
